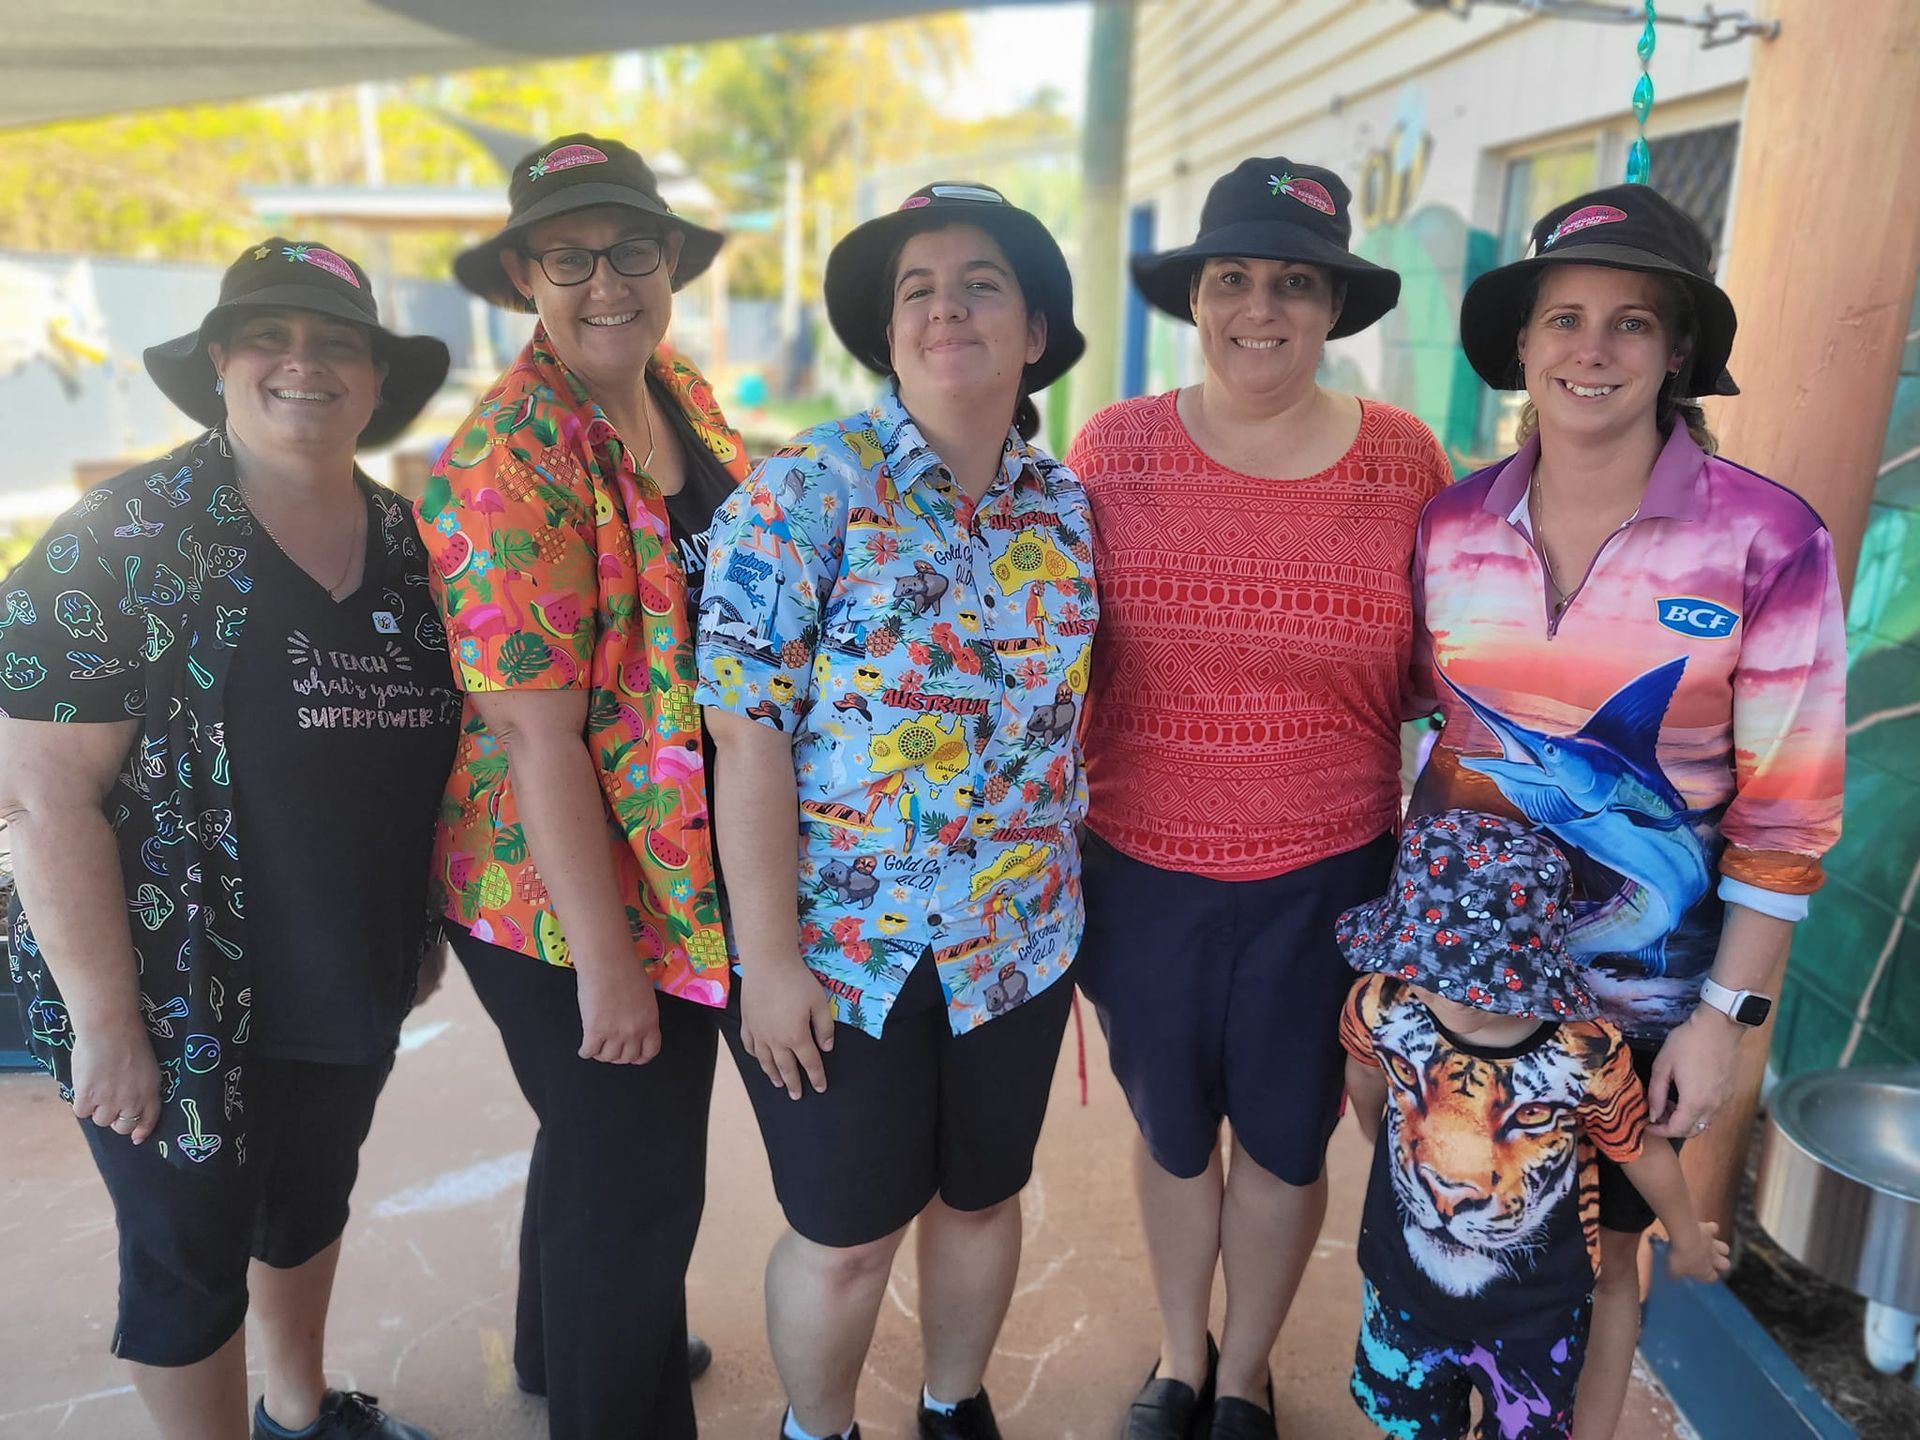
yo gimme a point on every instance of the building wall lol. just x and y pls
(1426, 117)
(1853, 987)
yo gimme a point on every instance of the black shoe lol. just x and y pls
(1171, 1409)
(970, 1420)
(344, 1415)
(1237, 1419)
(781, 1432)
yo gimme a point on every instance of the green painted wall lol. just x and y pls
(1861, 938)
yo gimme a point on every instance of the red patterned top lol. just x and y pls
(1250, 672)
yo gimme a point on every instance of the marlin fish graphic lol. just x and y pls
(1601, 790)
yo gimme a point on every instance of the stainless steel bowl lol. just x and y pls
(1839, 1183)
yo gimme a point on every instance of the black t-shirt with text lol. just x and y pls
(341, 718)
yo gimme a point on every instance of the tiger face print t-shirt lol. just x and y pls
(1482, 1212)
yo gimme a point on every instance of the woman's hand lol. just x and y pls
(116, 1080)
(433, 970)
(1693, 1074)
(786, 1022)
(619, 1016)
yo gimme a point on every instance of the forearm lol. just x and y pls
(564, 814)
(67, 866)
(1658, 1178)
(1753, 948)
(757, 820)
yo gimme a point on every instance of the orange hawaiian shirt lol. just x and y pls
(553, 567)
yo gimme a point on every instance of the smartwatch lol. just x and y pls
(1743, 1007)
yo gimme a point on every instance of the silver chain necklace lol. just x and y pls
(354, 540)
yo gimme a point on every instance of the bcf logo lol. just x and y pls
(1700, 618)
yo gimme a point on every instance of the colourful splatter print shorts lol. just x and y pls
(1416, 1384)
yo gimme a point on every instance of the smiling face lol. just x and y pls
(1263, 323)
(1597, 348)
(296, 379)
(960, 328)
(604, 328)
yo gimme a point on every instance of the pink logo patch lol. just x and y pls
(566, 157)
(914, 202)
(325, 259)
(1585, 219)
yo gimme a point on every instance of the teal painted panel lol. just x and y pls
(1877, 840)
(1818, 1032)
(1886, 585)
(1895, 1012)
(1836, 947)
(1875, 1049)
(1901, 484)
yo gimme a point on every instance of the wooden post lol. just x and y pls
(1099, 277)
(1824, 248)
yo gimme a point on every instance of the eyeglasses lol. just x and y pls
(574, 264)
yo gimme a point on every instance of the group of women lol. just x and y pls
(858, 758)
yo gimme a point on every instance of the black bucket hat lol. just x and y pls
(858, 303)
(1273, 209)
(577, 172)
(1478, 913)
(1623, 227)
(279, 273)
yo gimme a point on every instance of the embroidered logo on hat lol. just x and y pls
(325, 259)
(1307, 192)
(567, 157)
(1584, 219)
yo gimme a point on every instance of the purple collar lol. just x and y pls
(1677, 489)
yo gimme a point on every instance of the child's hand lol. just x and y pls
(1706, 1259)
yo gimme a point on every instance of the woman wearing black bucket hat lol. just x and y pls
(1254, 538)
(567, 528)
(893, 652)
(1638, 647)
(213, 947)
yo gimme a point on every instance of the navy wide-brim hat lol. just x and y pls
(578, 172)
(1273, 209)
(300, 275)
(1478, 913)
(860, 306)
(1622, 227)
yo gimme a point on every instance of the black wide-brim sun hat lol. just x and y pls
(282, 274)
(859, 303)
(1273, 209)
(1621, 227)
(578, 172)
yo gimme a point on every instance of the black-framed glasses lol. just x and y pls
(574, 264)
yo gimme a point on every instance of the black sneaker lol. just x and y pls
(781, 1433)
(1171, 1409)
(344, 1415)
(969, 1420)
(1237, 1419)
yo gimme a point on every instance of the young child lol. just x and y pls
(1475, 1037)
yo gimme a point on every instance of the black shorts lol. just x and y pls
(1622, 1207)
(186, 1236)
(1417, 1384)
(1221, 999)
(917, 1113)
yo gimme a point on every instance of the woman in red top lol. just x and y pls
(1253, 539)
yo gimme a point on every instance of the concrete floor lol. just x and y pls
(422, 1315)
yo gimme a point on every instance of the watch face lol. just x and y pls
(1753, 1009)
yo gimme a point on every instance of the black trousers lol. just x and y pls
(614, 1196)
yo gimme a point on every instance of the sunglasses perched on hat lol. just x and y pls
(283, 274)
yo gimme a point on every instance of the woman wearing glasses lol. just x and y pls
(567, 528)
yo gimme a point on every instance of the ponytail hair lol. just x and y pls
(1026, 418)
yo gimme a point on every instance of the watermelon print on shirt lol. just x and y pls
(929, 656)
(554, 568)
(1679, 728)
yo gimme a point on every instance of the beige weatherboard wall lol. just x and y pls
(1434, 122)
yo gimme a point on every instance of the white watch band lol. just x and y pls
(1721, 998)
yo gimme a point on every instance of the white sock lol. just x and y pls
(939, 1407)
(792, 1431)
